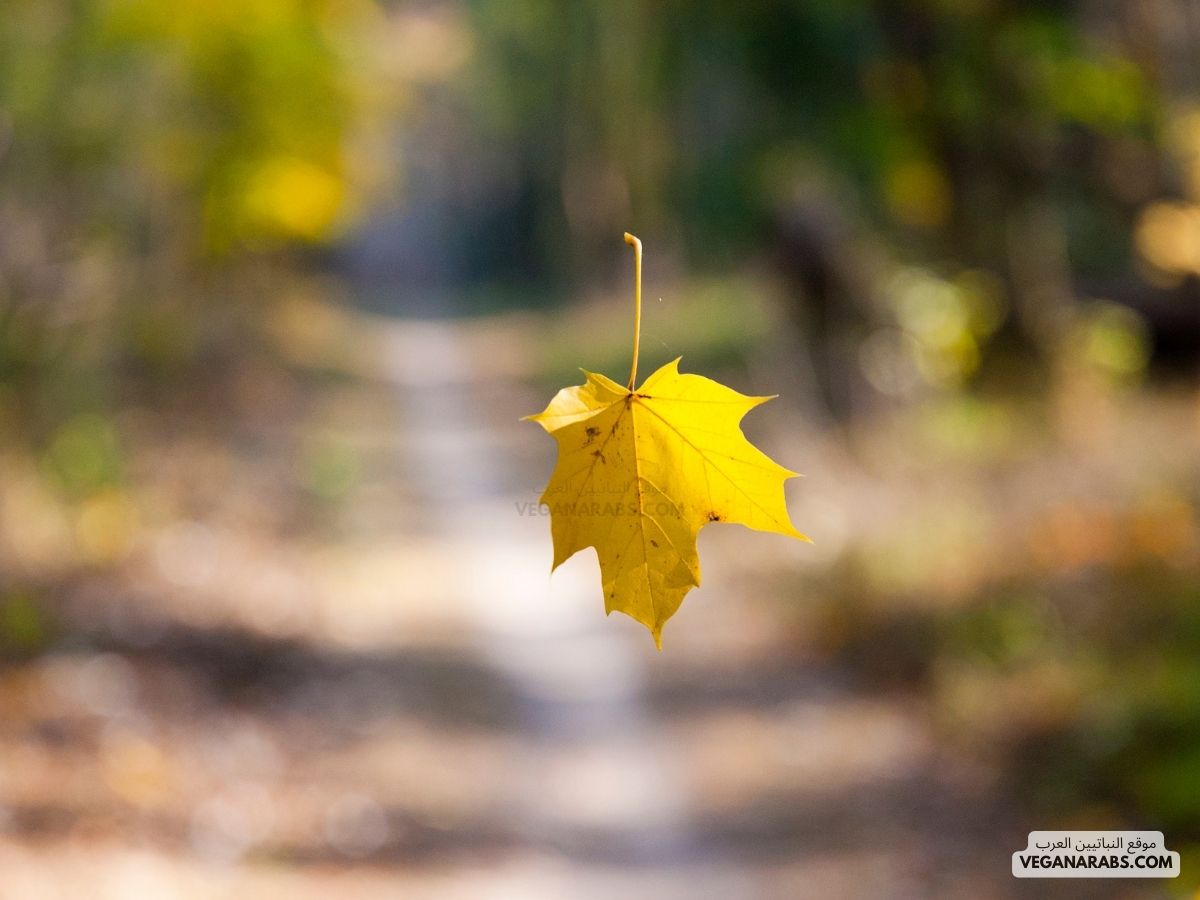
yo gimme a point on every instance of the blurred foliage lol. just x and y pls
(24, 629)
(925, 179)
(150, 155)
(708, 118)
(1055, 636)
(163, 170)
(946, 194)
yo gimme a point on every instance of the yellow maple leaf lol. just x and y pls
(640, 472)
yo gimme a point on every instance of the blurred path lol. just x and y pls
(593, 775)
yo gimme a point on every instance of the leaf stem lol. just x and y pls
(637, 304)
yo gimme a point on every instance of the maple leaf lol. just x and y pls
(640, 472)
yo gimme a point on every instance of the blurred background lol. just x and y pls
(277, 280)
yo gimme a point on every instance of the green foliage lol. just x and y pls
(84, 455)
(232, 117)
(943, 114)
(24, 628)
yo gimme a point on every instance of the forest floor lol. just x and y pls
(332, 661)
